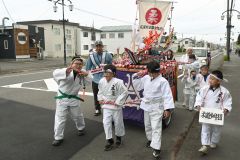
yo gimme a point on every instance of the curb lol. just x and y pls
(180, 139)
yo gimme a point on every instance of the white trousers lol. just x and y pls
(210, 134)
(116, 116)
(189, 100)
(192, 98)
(153, 127)
(61, 117)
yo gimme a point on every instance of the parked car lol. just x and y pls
(203, 55)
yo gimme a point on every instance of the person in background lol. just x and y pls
(70, 80)
(112, 95)
(156, 102)
(97, 58)
(190, 84)
(169, 55)
(216, 96)
(203, 76)
(185, 57)
(208, 58)
(193, 64)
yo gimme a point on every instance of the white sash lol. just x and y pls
(94, 61)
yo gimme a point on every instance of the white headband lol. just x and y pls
(109, 71)
(219, 78)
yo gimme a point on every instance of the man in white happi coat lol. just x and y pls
(112, 95)
(156, 102)
(185, 57)
(70, 80)
(213, 96)
(193, 65)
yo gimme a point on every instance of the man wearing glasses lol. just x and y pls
(70, 80)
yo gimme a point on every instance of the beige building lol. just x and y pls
(114, 37)
(88, 36)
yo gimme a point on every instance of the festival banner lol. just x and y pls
(153, 15)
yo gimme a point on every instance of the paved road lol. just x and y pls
(27, 113)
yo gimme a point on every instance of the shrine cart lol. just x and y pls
(131, 111)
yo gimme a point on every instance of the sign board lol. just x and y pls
(211, 116)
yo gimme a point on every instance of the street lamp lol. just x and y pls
(62, 2)
(229, 26)
(238, 16)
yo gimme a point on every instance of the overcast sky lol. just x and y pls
(200, 19)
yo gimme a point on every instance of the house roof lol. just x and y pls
(186, 39)
(48, 21)
(89, 28)
(123, 28)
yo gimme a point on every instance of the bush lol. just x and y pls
(225, 58)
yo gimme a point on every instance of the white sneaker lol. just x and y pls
(203, 149)
(213, 145)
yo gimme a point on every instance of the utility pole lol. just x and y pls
(228, 31)
(64, 36)
(63, 22)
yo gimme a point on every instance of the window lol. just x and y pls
(186, 42)
(68, 34)
(69, 48)
(56, 31)
(103, 36)
(120, 35)
(57, 47)
(85, 47)
(93, 36)
(22, 38)
(111, 35)
(85, 34)
(5, 44)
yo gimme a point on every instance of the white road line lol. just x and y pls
(46, 90)
(16, 75)
(17, 84)
(50, 83)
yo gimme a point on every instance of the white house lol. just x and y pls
(114, 37)
(187, 42)
(54, 46)
(88, 36)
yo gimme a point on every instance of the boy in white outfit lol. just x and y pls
(156, 102)
(112, 95)
(213, 96)
(203, 76)
(70, 80)
(190, 86)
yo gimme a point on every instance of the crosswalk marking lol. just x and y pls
(50, 83)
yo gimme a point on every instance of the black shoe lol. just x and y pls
(57, 142)
(148, 144)
(156, 153)
(81, 132)
(97, 112)
(109, 145)
(118, 141)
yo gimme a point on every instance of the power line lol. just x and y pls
(7, 11)
(99, 15)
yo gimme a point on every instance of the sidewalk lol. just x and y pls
(230, 134)
(13, 66)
